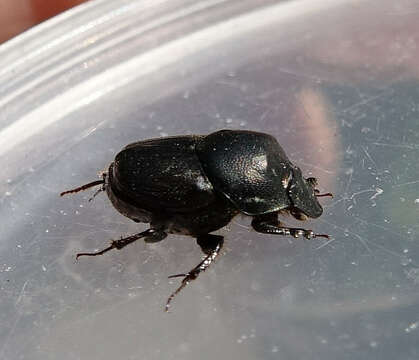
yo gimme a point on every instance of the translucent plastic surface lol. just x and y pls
(336, 82)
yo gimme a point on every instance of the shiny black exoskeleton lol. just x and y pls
(194, 185)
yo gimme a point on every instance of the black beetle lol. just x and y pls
(194, 185)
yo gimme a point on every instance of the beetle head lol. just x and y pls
(302, 194)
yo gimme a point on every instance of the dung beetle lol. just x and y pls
(195, 184)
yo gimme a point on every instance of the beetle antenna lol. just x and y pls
(84, 187)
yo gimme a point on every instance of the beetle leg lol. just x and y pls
(211, 246)
(121, 243)
(208, 243)
(87, 186)
(269, 224)
(325, 194)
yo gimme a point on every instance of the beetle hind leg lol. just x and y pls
(269, 224)
(150, 235)
(211, 246)
(88, 186)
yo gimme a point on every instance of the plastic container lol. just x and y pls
(334, 81)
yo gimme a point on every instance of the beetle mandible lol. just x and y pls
(195, 184)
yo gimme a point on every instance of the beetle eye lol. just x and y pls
(312, 181)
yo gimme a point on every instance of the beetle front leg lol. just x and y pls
(211, 246)
(269, 224)
(150, 235)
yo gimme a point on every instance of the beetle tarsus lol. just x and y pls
(101, 252)
(269, 224)
(84, 187)
(177, 275)
(185, 282)
(325, 194)
(121, 243)
(322, 235)
(210, 245)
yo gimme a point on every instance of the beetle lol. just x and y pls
(195, 184)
